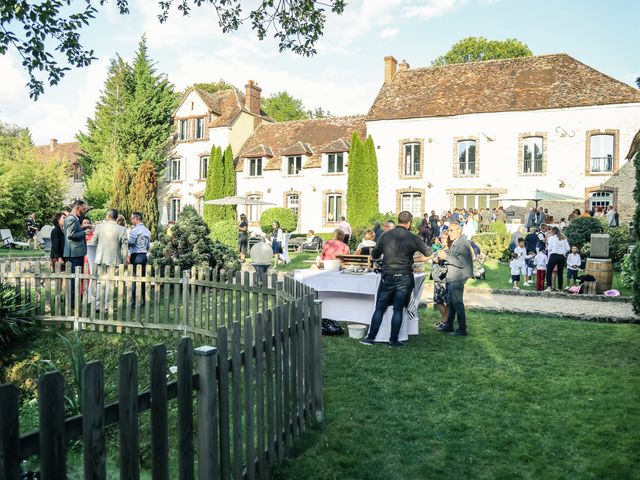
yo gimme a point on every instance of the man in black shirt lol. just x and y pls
(398, 246)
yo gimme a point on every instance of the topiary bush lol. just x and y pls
(286, 217)
(225, 232)
(493, 244)
(627, 271)
(498, 227)
(619, 241)
(190, 244)
(97, 214)
(579, 231)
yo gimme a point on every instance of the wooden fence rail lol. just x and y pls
(256, 392)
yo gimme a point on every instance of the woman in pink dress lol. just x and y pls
(335, 246)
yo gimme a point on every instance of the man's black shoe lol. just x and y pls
(396, 344)
(366, 341)
(444, 328)
(458, 333)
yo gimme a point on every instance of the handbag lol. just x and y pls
(331, 328)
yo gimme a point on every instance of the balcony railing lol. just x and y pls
(602, 164)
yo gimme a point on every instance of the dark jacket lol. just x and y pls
(398, 247)
(75, 244)
(459, 261)
(57, 242)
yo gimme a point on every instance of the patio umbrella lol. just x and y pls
(540, 196)
(236, 200)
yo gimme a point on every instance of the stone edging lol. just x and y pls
(585, 318)
(562, 295)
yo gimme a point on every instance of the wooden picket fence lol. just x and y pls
(256, 392)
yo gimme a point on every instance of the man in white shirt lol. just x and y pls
(346, 228)
(612, 217)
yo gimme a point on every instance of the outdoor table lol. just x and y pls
(352, 298)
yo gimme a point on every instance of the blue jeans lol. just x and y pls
(393, 290)
(138, 259)
(455, 290)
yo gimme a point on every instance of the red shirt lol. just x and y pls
(332, 248)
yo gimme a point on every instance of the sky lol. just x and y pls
(344, 76)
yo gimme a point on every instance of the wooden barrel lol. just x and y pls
(602, 271)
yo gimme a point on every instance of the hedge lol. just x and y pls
(494, 245)
(286, 217)
(225, 232)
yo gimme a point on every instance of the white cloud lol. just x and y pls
(428, 9)
(388, 33)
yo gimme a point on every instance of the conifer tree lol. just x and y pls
(355, 180)
(215, 187)
(121, 190)
(370, 201)
(143, 196)
(229, 186)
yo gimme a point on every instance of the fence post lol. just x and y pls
(279, 291)
(159, 428)
(9, 432)
(185, 409)
(317, 360)
(185, 302)
(95, 454)
(207, 412)
(76, 298)
(53, 442)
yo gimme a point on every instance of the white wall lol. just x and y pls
(498, 158)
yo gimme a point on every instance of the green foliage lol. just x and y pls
(229, 182)
(75, 354)
(97, 190)
(286, 217)
(215, 187)
(14, 314)
(143, 196)
(635, 257)
(498, 227)
(121, 190)
(213, 87)
(190, 245)
(627, 272)
(362, 182)
(493, 245)
(27, 185)
(318, 112)
(97, 214)
(579, 231)
(619, 241)
(225, 232)
(476, 49)
(283, 107)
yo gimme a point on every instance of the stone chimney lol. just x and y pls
(403, 67)
(390, 64)
(53, 143)
(252, 97)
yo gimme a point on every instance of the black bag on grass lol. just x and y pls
(331, 327)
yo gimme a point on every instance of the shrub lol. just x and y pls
(498, 227)
(190, 245)
(493, 245)
(97, 214)
(627, 271)
(579, 231)
(225, 232)
(14, 314)
(286, 217)
(619, 241)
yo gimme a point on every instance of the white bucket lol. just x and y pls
(356, 330)
(332, 265)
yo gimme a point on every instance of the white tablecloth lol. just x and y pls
(352, 298)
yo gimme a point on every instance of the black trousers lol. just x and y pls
(455, 303)
(75, 262)
(138, 259)
(555, 259)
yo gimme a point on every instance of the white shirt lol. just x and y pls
(555, 245)
(345, 227)
(515, 267)
(574, 261)
(522, 253)
(278, 235)
(366, 243)
(541, 261)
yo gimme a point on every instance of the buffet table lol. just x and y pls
(352, 298)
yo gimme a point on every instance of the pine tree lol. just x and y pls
(215, 187)
(121, 189)
(229, 186)
(143, 196)
(370, 201)
(355, 181)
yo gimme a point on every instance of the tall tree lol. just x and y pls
(370, 203)
(143, 196)
(355, 181)
(283, 107)
(229, 185)
(39, 30)
(121, 189)
(213, 87)
(215, 187)
(475, 49)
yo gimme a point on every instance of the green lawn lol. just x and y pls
(5, 252)
(520, 397)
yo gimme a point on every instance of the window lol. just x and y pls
(411, 202)
(475, 200)
(600, 199)
(335, 163)
(183, 130)
(294, 165)
(77, 173)
(532, 154)
(293, 202)
(253, 211)
(412, 159)
(334, 207)
(601, 160)
(199, 128)
(175, 169)
(467, 157)
(204, 167)
(255, 167)
(174, 209)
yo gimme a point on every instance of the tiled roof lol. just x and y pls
(311, 135)
(340, 145)
(66, 152)
(298, 148)
(519, 84)
(226, 105)
(259, 151)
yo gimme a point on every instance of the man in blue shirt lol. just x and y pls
(139, 240)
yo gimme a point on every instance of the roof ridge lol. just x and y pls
(309, 120)
(492, 60)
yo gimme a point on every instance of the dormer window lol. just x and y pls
(255, 167)
(183, 130)
(294, 165)
(192, 129)
(199, 128)
(335, 162)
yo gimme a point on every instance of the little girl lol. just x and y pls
(540, 261)
(516, 268)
